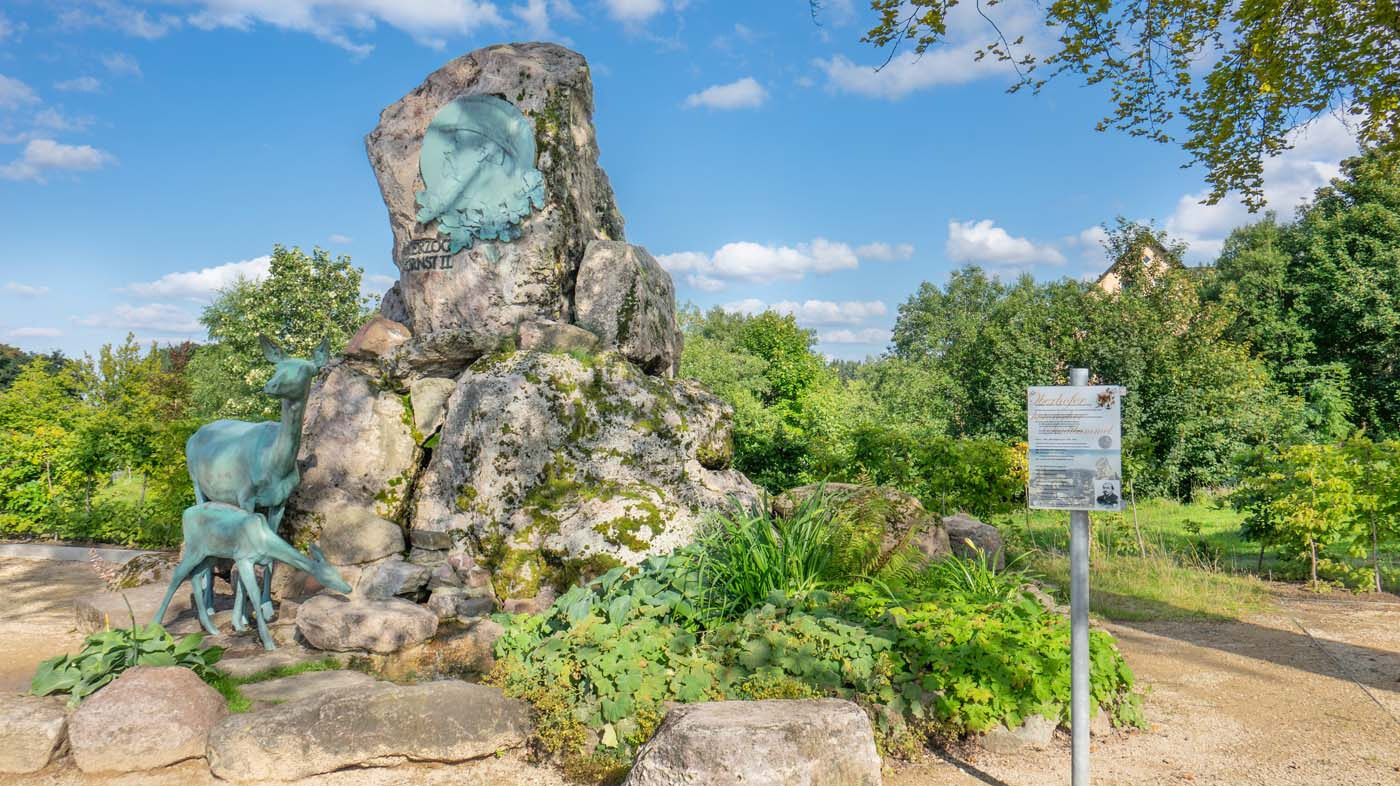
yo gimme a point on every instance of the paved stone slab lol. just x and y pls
(300, 686)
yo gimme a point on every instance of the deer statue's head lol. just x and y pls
(325, 572)
(293, 376)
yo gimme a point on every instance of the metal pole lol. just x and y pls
(1079, 628)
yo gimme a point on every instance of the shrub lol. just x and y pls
(929, 656)
(107, 654)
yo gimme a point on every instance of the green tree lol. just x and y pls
(39, 414)
(1242, 74)
(1346, 271)
(303, 300)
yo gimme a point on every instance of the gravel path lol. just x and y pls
(1305, 695)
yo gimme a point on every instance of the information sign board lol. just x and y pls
(1076, 444)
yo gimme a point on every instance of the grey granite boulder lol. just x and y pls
(340, 624)
(368, 726)
(548, 335)
(429, 398)
(492, 286)
(820, 742)
(1034, 734)
(971, 538)
(906, 523)
(571, 466)
(355, 536)
(390, 578)
(146, 718)
(626, 298)
(31, 732)
(459, 603)
(377, 338)
(357, 453)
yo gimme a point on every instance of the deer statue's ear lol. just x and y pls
(322, 353)
(271, 351)
(316, 553)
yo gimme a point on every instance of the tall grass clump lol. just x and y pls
(748, 554)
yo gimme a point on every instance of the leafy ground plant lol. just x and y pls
(107, 654)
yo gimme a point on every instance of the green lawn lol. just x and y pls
(1192, 561)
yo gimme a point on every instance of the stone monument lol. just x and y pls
(511, 420)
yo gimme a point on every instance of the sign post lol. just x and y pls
(1075, 460)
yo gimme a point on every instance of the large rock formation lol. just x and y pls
(555, 466)
(494, 285)
(513, 404)
(148, 717)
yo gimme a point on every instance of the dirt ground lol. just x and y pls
(1305, 695)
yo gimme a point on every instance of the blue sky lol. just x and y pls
(153, 151)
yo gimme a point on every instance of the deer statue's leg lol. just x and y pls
(250, 585)
(265, 608)
(274, 522)
(240, 622)
(182, 571)
(200, 606)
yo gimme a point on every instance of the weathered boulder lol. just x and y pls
(459, 602)
(369, 726)
(443, 353)
(1035, 733)
(391, 305)
(548, 335)
(428, 397)
(357, 451)
(102, 610)
(821, 742)
(377, 338)
(968, 537)
(263, 660)
(906, 523)
(556, 466)
(493, 285)
(143, 569)
(625, 298)
(333, 622)
(31, 732)
(308, 683)
(146, 718)
(391, 578)
(355, 536)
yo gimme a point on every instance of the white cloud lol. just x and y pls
(1289, 180)
(884, 252)
(982, 242)
(121, 64)
(14, 93)
(815, 312)
(1089, 243)
(379, 281)
(81, 84)
(535, 15)
(339, 239)
(744, 93)
(35, 332)
(112, 15)
(55, 120)
(45, 154)
(202, 284)
(25, 289)
(634, 11)
(863, 336)
(336, 21)
(155, 317)
(761, 263)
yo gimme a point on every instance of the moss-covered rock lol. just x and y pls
(559, 466)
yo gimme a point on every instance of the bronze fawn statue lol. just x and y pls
(253, 466)
(213, 530)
